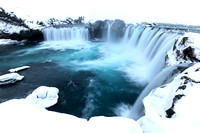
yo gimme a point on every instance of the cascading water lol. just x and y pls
(66, 34)
(151, 44)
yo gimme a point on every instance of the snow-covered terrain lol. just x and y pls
(23, 115)
(174, 107)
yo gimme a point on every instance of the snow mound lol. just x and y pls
(10, 78)
(44, 96)
(18, 69)
(174, 106)
(186, 50)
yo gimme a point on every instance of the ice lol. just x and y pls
(18, 69)
(10, 78)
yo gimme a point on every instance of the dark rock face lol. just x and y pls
(30, 35)
(99, 29)
(118, 29)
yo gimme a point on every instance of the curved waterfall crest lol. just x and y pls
(149, 45)
(66, 34)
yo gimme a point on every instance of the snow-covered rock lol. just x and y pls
(11, 28)
(186, 50)
(18, 69)
(10, 78)
(174, 107)
(44, 96)
(8, 42)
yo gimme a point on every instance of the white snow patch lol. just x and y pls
(8, 42)
(44, 96)
(10, 78)
(18, 69)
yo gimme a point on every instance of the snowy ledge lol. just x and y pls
(29, 115)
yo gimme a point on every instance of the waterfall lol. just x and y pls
(66, 34)
(149, 42)
(108, 32)
(164, 77)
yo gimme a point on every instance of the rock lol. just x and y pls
(10, 78)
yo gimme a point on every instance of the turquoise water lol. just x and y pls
(92, 77)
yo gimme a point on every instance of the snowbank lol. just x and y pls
(10, 78)
(174, 107)
(18, 69)
(23, 115)
(44, 96)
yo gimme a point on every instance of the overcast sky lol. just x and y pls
(169, 11)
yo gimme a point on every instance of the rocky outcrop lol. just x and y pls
(99, 29)
(30, 35)
(185, 50)
(15, 28)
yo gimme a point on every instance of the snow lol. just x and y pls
(18, 69)
(44, 96)
(9, 28)
(186, 117)
(7, 42)
(10, 78)
(23, 115)
(103, 124)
